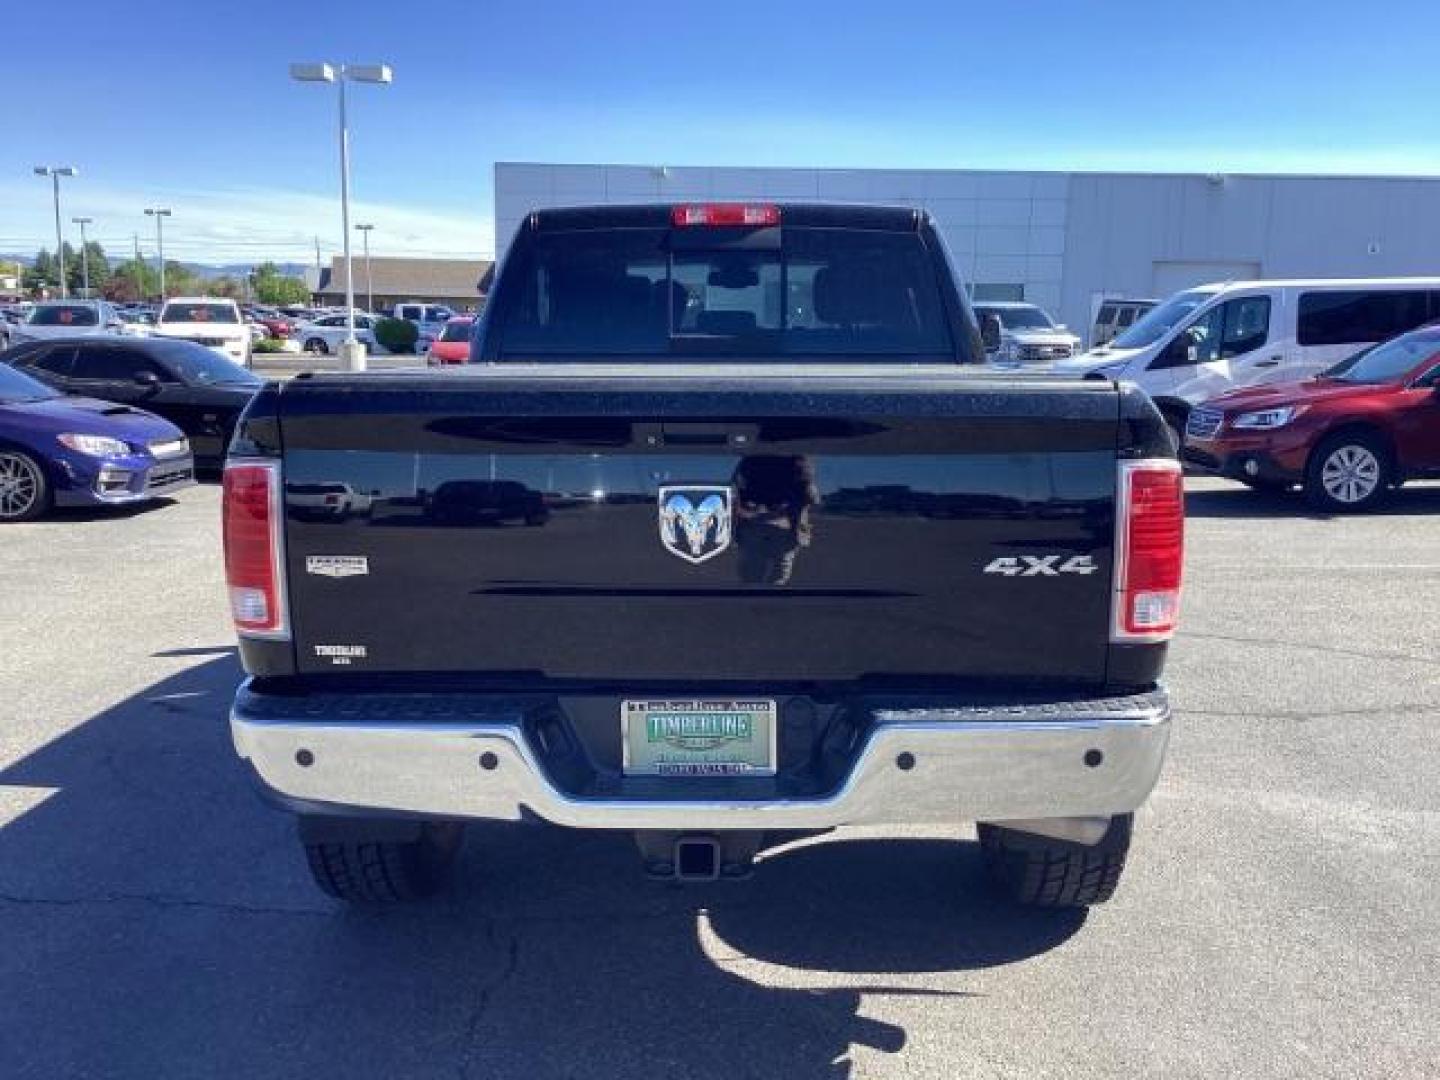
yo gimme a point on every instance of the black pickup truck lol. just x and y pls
(725, 532)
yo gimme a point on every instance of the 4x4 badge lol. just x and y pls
(1040, 565)
(695, 520)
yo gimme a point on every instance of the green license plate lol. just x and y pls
(698, 738)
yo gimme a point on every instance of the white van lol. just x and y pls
(1206, 340)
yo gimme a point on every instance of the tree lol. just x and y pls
(180, 280)
(226, 285)
(42, 272)
(75, 270)
(130, 280)
(275, 288)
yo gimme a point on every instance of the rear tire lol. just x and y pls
(24, 489)
(1044, 872)
(317, 346)
(1348, 472)
(383, 870)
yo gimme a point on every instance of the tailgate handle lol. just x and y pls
(740, 436)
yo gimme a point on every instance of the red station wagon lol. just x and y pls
(1347, 436)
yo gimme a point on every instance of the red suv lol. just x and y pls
(1347, 436)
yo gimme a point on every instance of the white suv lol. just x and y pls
(206, 320)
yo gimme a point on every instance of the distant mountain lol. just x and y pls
(211, 270)
(204, 270)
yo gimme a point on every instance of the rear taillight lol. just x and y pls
(724, 214)
(254, 569)
(1149, 549)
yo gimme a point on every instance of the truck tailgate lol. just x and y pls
(789, 531)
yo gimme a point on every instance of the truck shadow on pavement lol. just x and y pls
(158, 921)
(1241, 502)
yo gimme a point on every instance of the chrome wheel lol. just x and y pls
(21, 486)
(1350, 474)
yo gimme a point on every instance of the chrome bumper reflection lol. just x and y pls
(917, 766)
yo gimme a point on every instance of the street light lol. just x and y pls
(55, 172)
(84, 254)
(364, 231)
(340, 74)
(160, 213)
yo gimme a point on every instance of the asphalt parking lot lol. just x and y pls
(1278, 918)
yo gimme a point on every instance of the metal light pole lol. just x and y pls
(160, 213)
(84, 253)
(55, 172)
(351, 349)
(364, 231)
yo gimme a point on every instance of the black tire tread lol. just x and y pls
(383, 871)
(1043, 872)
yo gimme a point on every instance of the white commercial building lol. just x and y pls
(1065, 240)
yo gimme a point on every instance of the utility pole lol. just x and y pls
(369, 281)
(84, 252)
(351, 349)
(55, 172)
(159, 213)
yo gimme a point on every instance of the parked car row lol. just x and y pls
(321, 331)
(1274, 384)
(1326, 384)
(105, 420)
(1347, 436)
(78, 451)
(271, 322)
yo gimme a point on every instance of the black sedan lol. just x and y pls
(193, 387)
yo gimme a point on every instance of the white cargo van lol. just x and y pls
(1206, 340)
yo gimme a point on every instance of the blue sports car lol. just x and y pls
(75, 451)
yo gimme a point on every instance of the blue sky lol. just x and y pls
(163, 101)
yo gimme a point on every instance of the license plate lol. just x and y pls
(167, 449)
(698, 738)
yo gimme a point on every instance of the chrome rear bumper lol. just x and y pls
(462, 757)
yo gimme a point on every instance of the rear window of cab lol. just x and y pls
(634, 293)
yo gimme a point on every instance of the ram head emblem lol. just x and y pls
(695, 521)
